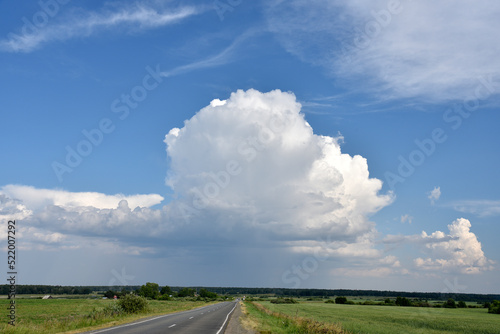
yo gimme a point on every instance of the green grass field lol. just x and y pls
(392, 319)
(73, 315)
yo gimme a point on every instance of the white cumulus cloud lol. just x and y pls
(457, 251)
(246, 170)
(255, 161)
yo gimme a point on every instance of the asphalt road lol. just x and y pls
(211, 319)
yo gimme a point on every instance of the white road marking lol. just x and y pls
(171, 326)
(161, 316)
(191, 318)
(227, 317)
(133, 323)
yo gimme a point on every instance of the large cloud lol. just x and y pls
(247, 172)
(248, 169)
(254, 161)
(430, 49)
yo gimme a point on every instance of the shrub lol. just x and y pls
(284, 301)
(450, 303)
(370, 302)
(403, 301)
(110, 294)
(340, 300)
(330, 301)
(133, 304)
(494, 307)
(422, 304)
(461, 304)
(164, 297)
(112, 309)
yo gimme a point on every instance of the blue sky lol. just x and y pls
(325, 144)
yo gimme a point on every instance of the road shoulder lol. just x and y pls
(239, 323)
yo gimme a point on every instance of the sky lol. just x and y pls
(289, 144)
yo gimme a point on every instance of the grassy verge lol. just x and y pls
(279, 323)
(393, 319)
(78, 315)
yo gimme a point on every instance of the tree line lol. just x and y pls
(154, 291)
(279, 292)
(47, 289)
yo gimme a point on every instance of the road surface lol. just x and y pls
(210, 319)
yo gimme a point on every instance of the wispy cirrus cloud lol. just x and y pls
(78, 23)
(404, 49)
(221, 58)
(482, 208)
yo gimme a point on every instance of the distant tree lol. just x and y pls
(340, 300)
(110, 294)
(403, 301)
(494, 307)
(186, 292)
(85, 291)
(204, 293)
(149, 290)
(461, 304)
(450, 303)
(166, 290)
